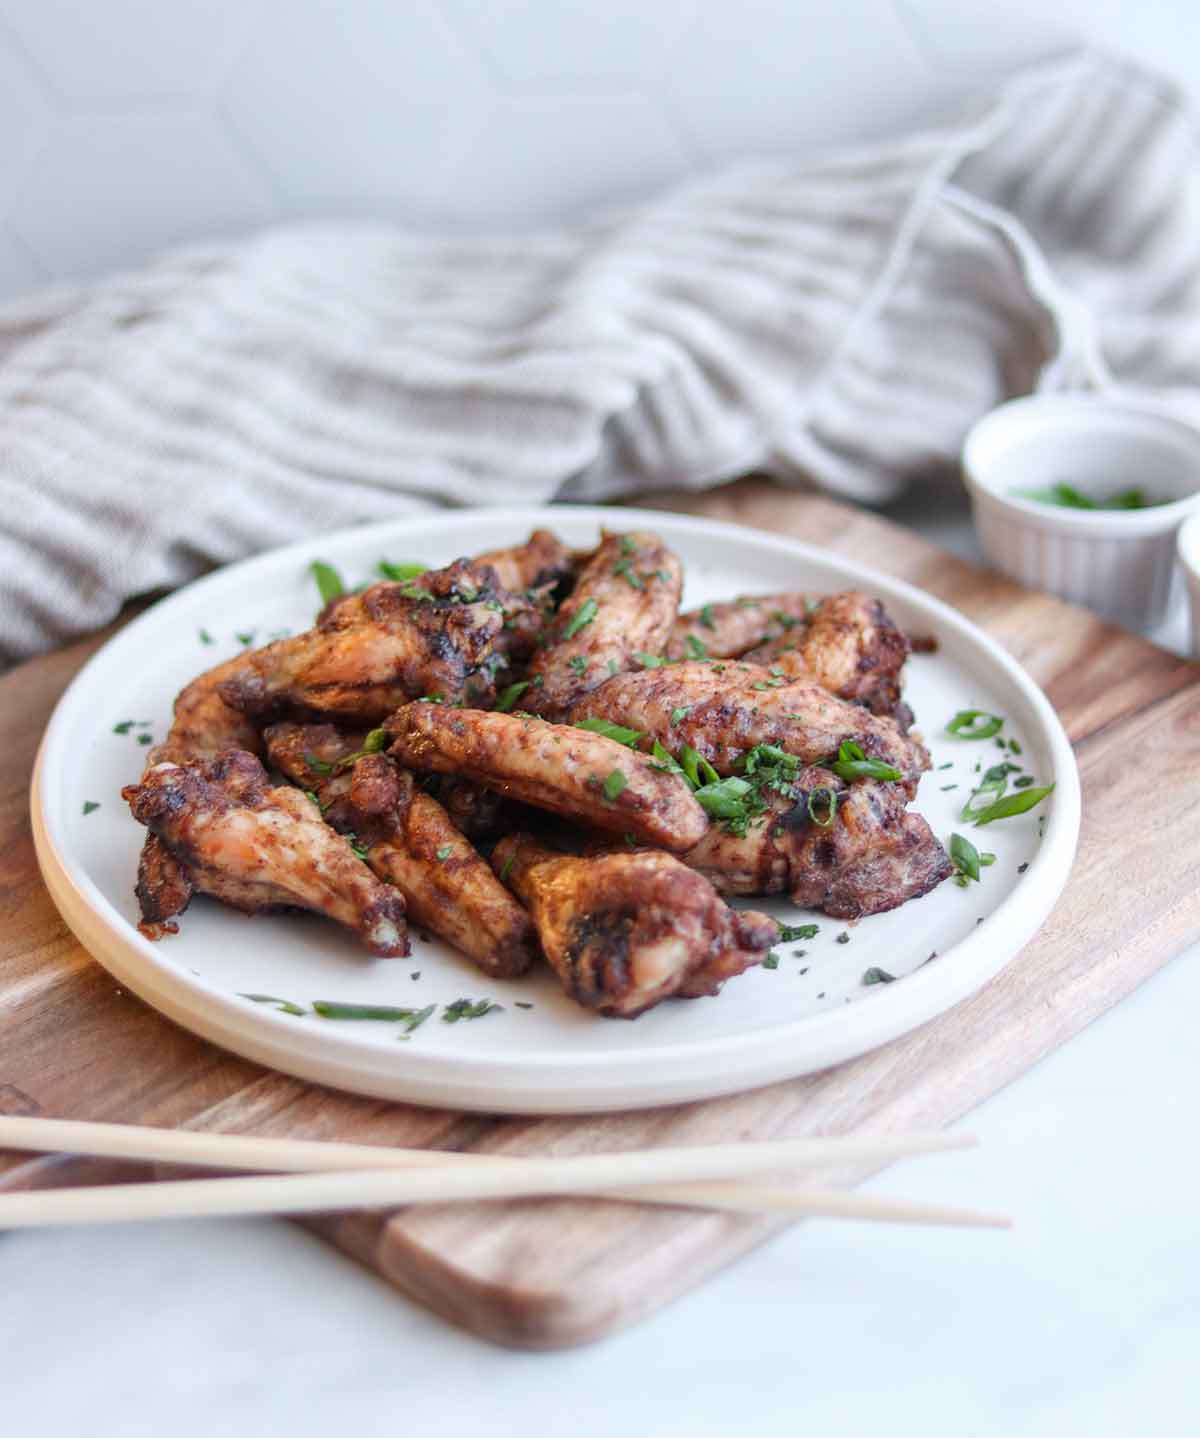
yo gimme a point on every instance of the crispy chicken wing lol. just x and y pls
(569, 771)
(724, 709)
(729, 629)
(849, 646)
(857, 853)
(259, 848)
(410, 842)
(623, 931)
(542, 560)
(624, 603)
(393, 642)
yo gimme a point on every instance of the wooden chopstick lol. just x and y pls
(432, 1176)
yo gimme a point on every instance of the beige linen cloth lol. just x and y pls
(840, 321)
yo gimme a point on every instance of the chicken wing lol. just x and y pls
(623, 931)
(569, 771)
(437, 634)
(850, 850)
(542, 560)
(729, 629)
(410, 842)
(849, 646)
(258, 848)
(624, 603)
(724, 709)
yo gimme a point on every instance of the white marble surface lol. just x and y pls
(1083, 1319)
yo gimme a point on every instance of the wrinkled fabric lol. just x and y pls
(839, 322)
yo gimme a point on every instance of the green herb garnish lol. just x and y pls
(507, 866)
(583, 616)
(285, 1006)
(401, 572)
(614, 785)
(465, 1009)
(1066, 496)
(677, 715)
(329, 581)
(508, 697)
(695, 650)
(205, 637)
(624, 569)
(822, 813)
(771, 961)
(974, 724)
(618, 732)
(578, 664)
(965, 858)
(790, 933)
(876, 975)
(444, 853)
(90, 806)
(852, 763)
(651, 661)
(1013, 804)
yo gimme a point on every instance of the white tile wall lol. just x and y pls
(126, 125)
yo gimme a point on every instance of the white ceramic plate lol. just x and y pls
(811, 1011)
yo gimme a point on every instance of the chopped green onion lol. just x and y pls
(1013, 804)
(706, 617)
(771, 961)
(724, 799)
(650, 661)
(965, 856)
(583, 616)
(791, 933)
(285, 1006)
(90, 806)
(444, 853)
(876, 975)
(980, 799)
(697, 768)
(831, 800)
(974, 724)
(508, 697)
(507, 868)
(329, 581)
(401, 572)
(678, 715)
(852, 763)
(621, 733)
(695, 649)
(614, 785)
(465, 1009)
(382, 1013)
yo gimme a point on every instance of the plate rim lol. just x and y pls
(892, 1011)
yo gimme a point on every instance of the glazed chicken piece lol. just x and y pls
(849, 646)
(623, 604)
(572, 772)
(203, 726)
(259, 848)
(850, 850)
(623, 931)
(543, 560)
(729, 629)
(410, 842)
(724, 709)
(437, 634)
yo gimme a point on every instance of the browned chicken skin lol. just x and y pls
(623, 603)
(727, 630)
(542, 560)
(258, 848)
(623, 931)
(858, 853)
(724, 709)
(373, 651)
(411, 843)
(849, 646)
(572, 772)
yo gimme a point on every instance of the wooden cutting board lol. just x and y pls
(551, 1273)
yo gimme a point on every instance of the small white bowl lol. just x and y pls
(1116, 562)
(1189, 559)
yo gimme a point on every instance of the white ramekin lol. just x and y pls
(1189, 559)
(1116, 562)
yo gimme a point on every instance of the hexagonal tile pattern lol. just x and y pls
(355, 107)
(584, 48)
(110, 190)
(17, 272)
(23, 121)
(755, 77)
(130, 49)
(543, 159)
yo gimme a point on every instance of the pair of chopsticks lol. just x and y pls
(309, 1177)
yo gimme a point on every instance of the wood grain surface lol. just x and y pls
(557, 1272)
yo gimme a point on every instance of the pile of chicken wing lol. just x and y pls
(534, 755)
